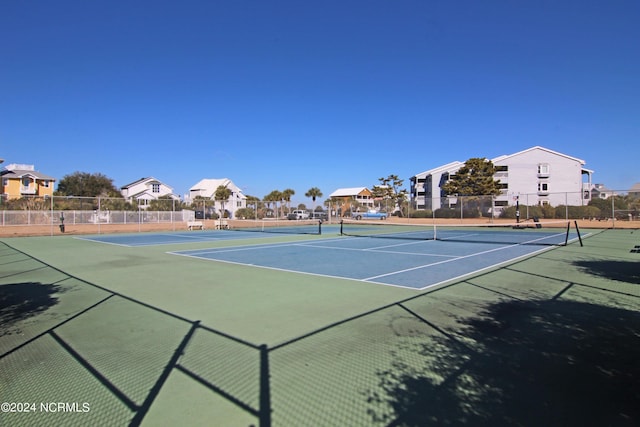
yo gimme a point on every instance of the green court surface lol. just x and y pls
(104, 334)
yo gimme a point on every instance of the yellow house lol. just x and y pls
(18, 181)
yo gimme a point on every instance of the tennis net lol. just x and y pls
(300, 226)
(551, 233)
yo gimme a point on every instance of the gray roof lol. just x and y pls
(19, 173)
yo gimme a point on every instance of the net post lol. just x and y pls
(320, 227)
(578, 232)
(341, 223)
(566, 237)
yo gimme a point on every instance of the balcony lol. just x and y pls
(543, 170)
(30, 189)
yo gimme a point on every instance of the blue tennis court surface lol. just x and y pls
(153, 239)
(394, 262)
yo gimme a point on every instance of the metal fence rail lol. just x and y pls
(76, 217)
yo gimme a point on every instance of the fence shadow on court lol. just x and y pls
(234, 369)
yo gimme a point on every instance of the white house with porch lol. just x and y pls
(206, 188)
(599, 191)
(144, 190)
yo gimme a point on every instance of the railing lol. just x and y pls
(78, 217)
(28, 189)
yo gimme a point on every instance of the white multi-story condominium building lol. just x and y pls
(536, 176)
(207, 188)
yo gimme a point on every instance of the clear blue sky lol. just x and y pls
(299, 94)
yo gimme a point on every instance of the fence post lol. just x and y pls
(265, 388)
(51, 218)
(613, 212)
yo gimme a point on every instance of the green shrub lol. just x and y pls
(577, 212)
(455, 213)
(245, 213)
(427, 213)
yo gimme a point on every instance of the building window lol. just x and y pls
(543, 169)
(155, 188)
(45, 183)
(543, 186)
(501, 171)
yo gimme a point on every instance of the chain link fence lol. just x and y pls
(567, 205)
(71, 210)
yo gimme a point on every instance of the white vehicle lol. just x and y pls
(298, 214)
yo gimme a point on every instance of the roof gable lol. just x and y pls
(449, 167)
(208, 187)
(353, 191)
(537, 147)
(141, 181)
(18, 173)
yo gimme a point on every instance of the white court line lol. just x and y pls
(102, 241)
(198, 252)
(463, 236)
(292, 271)
(416, 242)
(136, 245)
(375, 250)
(474, 272)
(441, 262)
(248, 247)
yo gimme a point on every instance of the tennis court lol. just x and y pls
(154, 239)
(251, 231)
(408, 259)
(238, 328)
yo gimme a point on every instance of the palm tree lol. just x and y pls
(286, 196)
(254, 202)
(274, 196)
(221, 195)
(313, 193)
